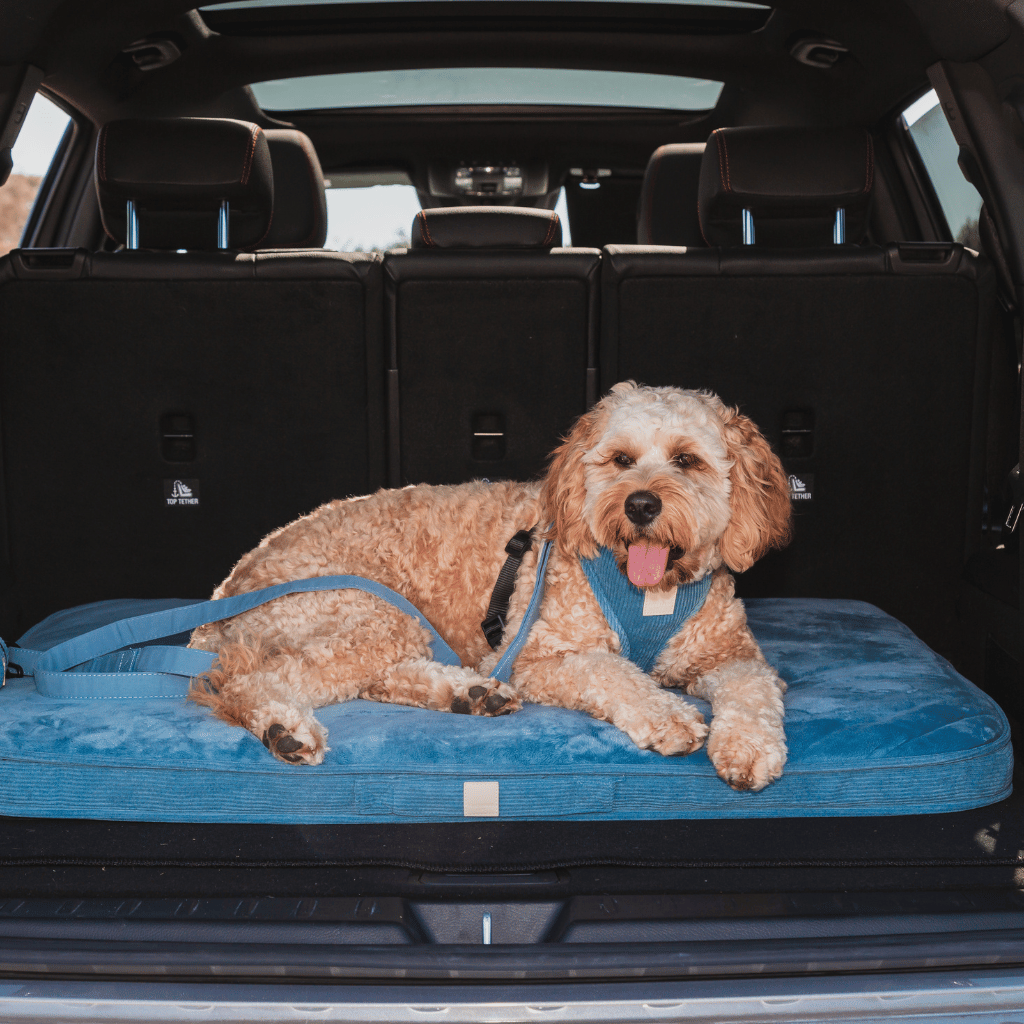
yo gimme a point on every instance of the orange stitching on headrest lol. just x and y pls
(551, 229)
(247, 166)
(723, 160)
(424, 230)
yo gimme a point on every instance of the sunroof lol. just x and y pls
(488, 86)
(241, 5)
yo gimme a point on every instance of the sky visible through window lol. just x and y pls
(380, 217)
(32, 153)
(39, 137)
(939, 150)
(476, 86)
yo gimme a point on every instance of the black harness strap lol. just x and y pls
(494, 625)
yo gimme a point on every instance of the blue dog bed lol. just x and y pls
(876, 722)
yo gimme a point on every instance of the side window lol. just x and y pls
(927, 127)
(33, 153)
(562, 209)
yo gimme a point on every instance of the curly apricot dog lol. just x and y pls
(653, 494)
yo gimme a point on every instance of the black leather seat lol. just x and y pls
(668, 198)
(491, 331)
(300, 202)
(191, 402)
(867, 367)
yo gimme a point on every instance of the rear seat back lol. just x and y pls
(189, 402)
(491, 332)
(866, 368)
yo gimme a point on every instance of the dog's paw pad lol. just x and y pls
(496, 701)
(491, 701)
(286, 747)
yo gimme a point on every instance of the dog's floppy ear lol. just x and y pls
(760, 510)
(564, 491)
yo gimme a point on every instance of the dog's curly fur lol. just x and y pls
(724, 502)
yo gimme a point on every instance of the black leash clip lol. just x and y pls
(494, 625)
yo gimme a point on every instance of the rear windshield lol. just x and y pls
(488, 86)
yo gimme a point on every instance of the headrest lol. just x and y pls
(177, 170)
(300, 202)
(668, 199)
(486, 227)
(792, 180)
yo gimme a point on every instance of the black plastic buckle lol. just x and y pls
(519, 544)
(494, 630)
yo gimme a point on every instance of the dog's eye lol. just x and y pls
(623, 460)
(686, 461)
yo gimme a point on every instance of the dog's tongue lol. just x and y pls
(645, 564)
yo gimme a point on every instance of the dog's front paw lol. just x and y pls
(291, 735)
(480, 699)
(746, 752)
(667, 725)
(678, 733)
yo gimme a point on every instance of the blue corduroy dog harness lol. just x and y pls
(643, 637)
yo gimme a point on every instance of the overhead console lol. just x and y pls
(494, 180)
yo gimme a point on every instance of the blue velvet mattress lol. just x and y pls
(877, 724)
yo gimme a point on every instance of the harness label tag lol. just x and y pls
(660, 602)
(480, 799)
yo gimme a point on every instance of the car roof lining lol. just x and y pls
(82, 54)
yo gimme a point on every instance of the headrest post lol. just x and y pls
(222, 225)
(805, 187)
(132, 237)
(748, 227)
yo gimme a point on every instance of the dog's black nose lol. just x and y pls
(642, 507)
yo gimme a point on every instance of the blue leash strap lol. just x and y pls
(105, 670)
(103, 664)
(503, 670)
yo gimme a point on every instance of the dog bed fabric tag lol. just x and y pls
(480, 799)
(660, 602)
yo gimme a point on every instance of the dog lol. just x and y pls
(655, 492)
